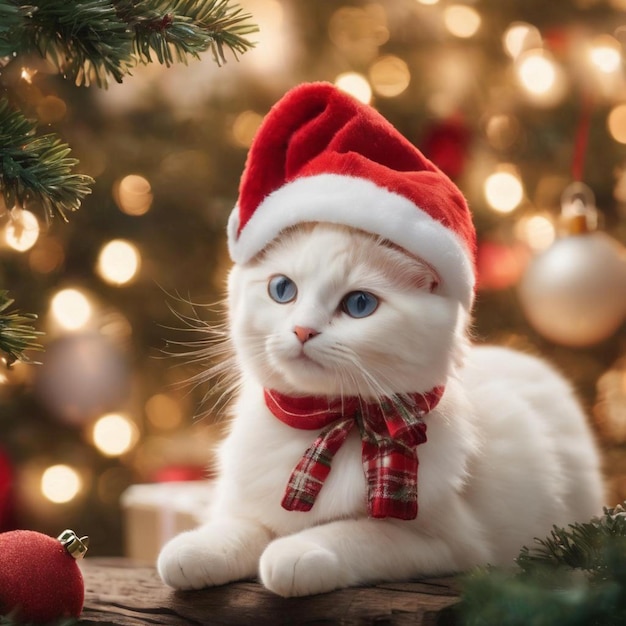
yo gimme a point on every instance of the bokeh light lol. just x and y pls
(536, 73)
(71, 309)
(118, 262)
(356, 85)
(133, 194)
(461, 20)
(537, 231)
(520, 37)
(245, 127)
(616, 123)
(605, 54)
(60, 483)
(114, 434)
(503, 191)
(22, 231)
(163, 412)
(389, 76)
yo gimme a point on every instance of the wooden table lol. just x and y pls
(118, 592)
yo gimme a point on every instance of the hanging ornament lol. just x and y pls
(83, 375)
(574, 293)
(40, 580)
(6, 495)
(446, 144)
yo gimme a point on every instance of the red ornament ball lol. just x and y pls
(40, 580)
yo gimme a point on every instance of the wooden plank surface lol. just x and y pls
(116, 592)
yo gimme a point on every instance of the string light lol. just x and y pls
(114, 434)
(503, 191)
(356, 85)
(118, 262)
(616, 123)
(605, 54)
(520, 37)
(245, 127)
(163, 412)
(22, 231)
(537, 231)
(60, 483)
(390, 76)
(462, 21)
(71, 309)
(133, 194)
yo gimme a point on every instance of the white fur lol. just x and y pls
(360, 203)
(508, 455)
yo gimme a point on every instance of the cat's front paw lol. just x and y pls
(192, 561)
(295, 567)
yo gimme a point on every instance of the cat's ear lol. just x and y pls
(425, 277)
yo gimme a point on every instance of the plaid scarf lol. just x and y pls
(390, 431)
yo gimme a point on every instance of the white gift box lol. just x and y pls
(154, 513)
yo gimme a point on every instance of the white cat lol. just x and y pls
(331, 311)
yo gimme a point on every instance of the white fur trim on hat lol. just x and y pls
(359, 203)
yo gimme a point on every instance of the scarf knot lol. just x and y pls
(390, 431)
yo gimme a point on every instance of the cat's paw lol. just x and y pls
(295, 567)
(193, 560)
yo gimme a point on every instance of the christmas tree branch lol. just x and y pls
(37, 167)
(16, 332)
(574, 577)
(94, 40)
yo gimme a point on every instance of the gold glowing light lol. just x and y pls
(245, 126)
(428, 2)
(537, 73)
(390, 76)
(605, 54)
(519, 37)
(71, 309)
(60, 483)
(462, 21)
(616, 123)
(118, 262)
(503, 191)
(114, 434)
(537, 231)
(22, 231)
(163, 412)
(356, 85)
(133, 194)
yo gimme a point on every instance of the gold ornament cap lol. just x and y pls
(76, 546)
(579, 214)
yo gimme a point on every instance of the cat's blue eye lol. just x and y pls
(359, 304)
(282, 289)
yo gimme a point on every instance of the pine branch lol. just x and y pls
(16, 333)
(91, 41)
(575, 577)
(37, 168)
(187, 27)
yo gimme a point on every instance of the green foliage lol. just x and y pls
(89, 41)
(16, 333)
(574, 577)
(93, 40)
(37, 168)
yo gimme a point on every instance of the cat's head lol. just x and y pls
(330, 310)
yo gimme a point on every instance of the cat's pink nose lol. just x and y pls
(304, 334)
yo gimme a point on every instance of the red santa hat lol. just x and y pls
(322, 156)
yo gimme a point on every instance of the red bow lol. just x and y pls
(390, 431)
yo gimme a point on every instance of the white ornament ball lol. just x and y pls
(82, 376)
(574, 293)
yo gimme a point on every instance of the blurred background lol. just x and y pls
(516, 101)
